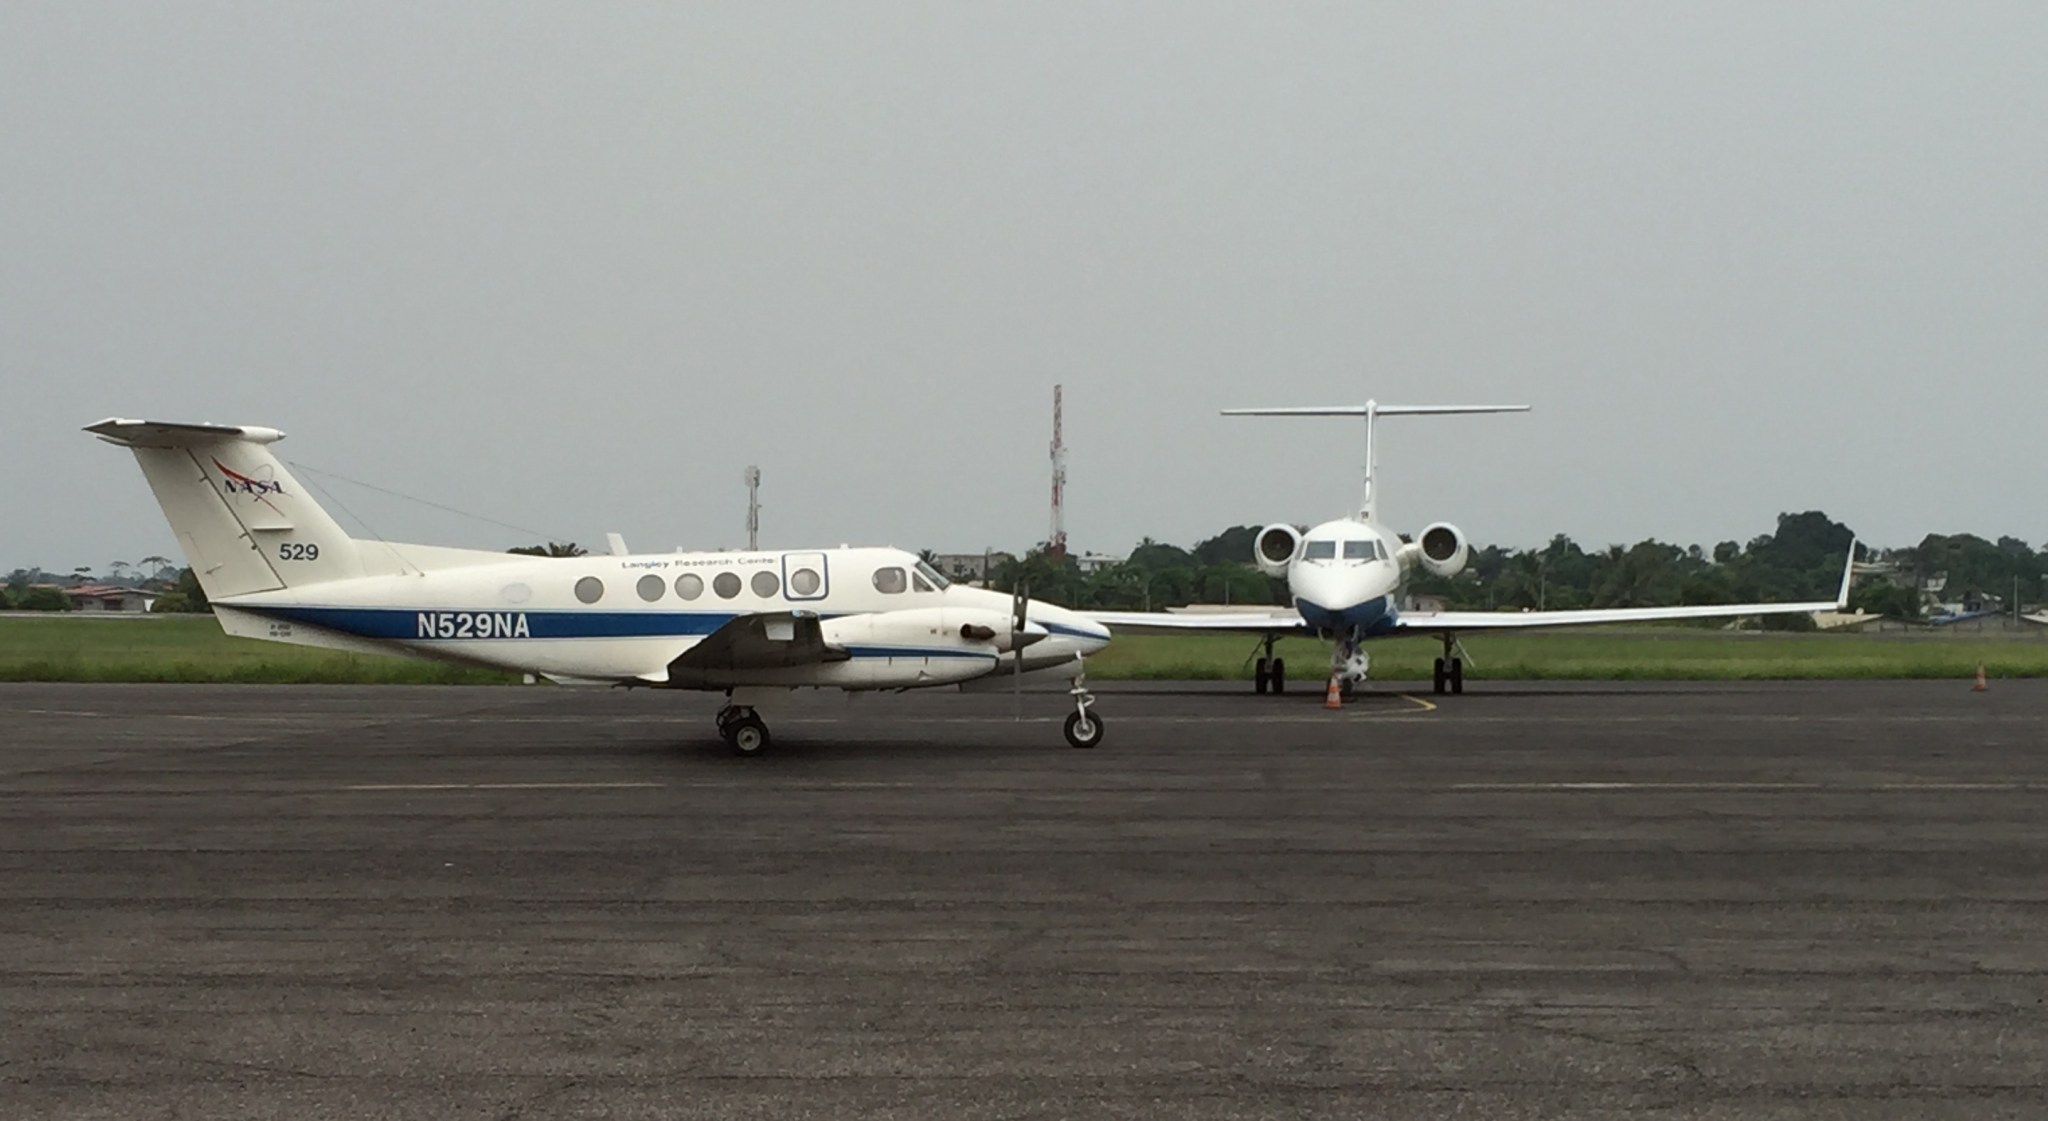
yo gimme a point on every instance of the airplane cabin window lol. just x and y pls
(891, 580)
(1319, 550)
(918, 581)
(726, 584)
(766, 584)
(651, 587)
(689, 585)
(805, 581)
(590, 589)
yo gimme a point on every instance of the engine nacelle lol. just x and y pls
(1275, 547)
(962, 628)
(1440, 551)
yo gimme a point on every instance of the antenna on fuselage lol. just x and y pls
(1372, 411)
(753, 509)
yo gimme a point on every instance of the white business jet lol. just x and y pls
(1344, 577)
(754, 624)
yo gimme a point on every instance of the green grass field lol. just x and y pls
(192, 648)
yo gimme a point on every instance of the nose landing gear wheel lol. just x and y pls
(1084, 730)
(745, 735)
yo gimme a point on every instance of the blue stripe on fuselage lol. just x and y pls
(405, 624)
(919, 652)
(1374, 616)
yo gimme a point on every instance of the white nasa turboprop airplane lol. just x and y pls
(754, 624)
(1344, 576)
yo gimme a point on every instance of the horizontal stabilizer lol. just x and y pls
(170, 434)
(1377, 410)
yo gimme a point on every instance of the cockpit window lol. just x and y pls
(891, 580)
(925, 570)
(1319, 550)
(1362, 550)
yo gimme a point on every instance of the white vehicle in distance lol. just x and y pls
(755, 624)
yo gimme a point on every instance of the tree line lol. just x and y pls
(1801, 561)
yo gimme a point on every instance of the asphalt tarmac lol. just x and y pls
(1727, 901)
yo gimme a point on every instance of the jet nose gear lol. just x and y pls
(1349, 663)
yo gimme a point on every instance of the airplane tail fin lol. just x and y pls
(245, 524)
(1372, 411)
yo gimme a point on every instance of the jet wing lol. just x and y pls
(1279, 620)
(769, 640)
(1441, 622)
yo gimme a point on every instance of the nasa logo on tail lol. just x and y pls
(234, 482)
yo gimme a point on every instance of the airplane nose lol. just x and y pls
(1084, 636)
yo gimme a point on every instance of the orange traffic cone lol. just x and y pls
(1979, 687)
(1335, 697)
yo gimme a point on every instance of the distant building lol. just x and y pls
(973, 568)
(110, 597)
(1090, 562)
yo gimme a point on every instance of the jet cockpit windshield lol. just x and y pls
(1355, 550)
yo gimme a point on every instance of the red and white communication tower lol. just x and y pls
(1056, 541)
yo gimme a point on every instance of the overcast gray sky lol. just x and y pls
(574, 266)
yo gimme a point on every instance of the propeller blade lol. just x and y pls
(1020, 602)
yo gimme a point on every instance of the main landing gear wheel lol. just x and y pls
(1261, 676)
(744, 734)
(1450, 676)
(1084, 729)
(1278, 675)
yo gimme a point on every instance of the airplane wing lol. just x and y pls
(769, 640)
(1277, 620)
(1441, 622)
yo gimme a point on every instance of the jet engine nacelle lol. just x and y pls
(1275, 547)
(1440, 550)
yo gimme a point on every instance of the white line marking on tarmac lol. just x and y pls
(1738, 787)
(426, 786)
